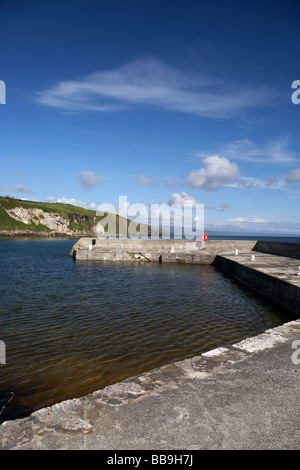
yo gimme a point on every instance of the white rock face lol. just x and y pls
(38, 216)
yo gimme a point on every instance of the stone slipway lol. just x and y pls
(242, 396)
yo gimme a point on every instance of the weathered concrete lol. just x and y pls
(132, 249)
(163, 250)
(241, 396)
(291, 250)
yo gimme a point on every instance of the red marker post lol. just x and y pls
(204, 237)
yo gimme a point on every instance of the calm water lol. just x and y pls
(71, 328)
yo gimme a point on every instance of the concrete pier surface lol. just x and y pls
(240, 396)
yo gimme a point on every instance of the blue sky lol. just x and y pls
(160, 101)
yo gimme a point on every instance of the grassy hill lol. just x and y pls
(41, 218)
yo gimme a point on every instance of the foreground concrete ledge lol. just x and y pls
(240, 396)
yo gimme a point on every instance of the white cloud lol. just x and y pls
(217, 172)
(152, 83)
(143, 180)
(222, 207)
(74, 202)
(294, 176)
(246, 219)
(273, 182)
(277, 151)
(182, 199)
(273, 151)
(170, 182)
(19, 188)
(88, 179)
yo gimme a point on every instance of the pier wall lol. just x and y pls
(94, 246)
(291, 250)
(275, 287)
(166, 250)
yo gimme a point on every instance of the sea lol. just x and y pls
(70, 328)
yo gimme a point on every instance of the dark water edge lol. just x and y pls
(73, 328)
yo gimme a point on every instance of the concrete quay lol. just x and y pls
(243, 396)
(154, 250)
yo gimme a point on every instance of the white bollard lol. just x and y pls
(298, 270)
(252, 258)
(236, 252)
(2, 353)
(90, 247)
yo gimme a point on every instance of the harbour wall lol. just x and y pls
(91, 248)
(157, 250)
(291, 250)
(274, 285)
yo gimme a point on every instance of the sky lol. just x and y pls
(162, 102)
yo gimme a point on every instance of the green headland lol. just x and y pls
(23, 217)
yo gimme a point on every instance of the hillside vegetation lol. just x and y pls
(19, 216)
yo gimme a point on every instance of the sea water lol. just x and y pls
(71, 328)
